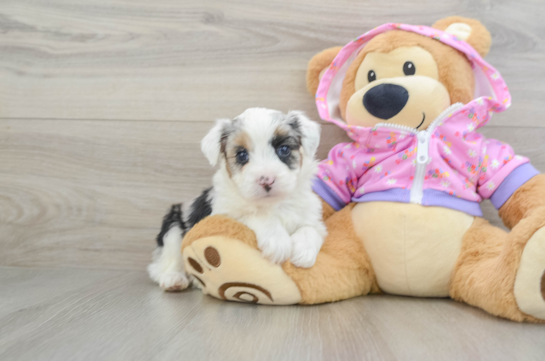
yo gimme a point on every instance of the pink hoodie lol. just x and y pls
(449, 164)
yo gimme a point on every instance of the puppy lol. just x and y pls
(266, 165)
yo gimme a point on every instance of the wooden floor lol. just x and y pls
(102, 107)
(55, 314)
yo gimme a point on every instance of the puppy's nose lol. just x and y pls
(385, 100)
(266, 182)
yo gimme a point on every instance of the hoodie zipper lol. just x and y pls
(422, 150)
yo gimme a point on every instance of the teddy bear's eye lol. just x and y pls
(371, 76)
(409, 68)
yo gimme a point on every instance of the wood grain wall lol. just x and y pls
(103, 104)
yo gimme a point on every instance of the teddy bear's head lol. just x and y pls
(405, 78)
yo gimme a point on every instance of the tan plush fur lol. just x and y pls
(454, 73)
(479, 38)
(342, 269)
(318, 63)
(543, 286)
(485, 272)
(454, 69)
(527, 198)
(220, 225)
(486, 269)
(327, 210)
(413, 249)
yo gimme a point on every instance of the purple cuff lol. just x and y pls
(327, 194)
(511, 183)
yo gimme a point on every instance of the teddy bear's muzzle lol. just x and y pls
(385, 101)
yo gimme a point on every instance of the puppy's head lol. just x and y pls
(264, 152)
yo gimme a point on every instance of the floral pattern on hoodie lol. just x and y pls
(462, 167)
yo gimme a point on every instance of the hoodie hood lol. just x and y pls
(491, 93)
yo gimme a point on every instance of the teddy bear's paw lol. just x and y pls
(231, 270)
(530, 280)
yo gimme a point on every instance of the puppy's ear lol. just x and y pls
(212, 142)
(308, 130)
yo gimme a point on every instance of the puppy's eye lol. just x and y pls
(242, 156)
(409, 68)
(371, 76)
(283, 151)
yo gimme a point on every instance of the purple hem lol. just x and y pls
(520, 175)
(437, 198)
(430, 198)
(390, 195)
(327, 194)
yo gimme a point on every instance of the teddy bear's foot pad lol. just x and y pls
(530, 280)
(229, 269)
(543, 286)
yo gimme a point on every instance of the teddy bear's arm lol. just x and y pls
(530, 196)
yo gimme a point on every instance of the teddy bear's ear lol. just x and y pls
(317, 66)
(469, 30)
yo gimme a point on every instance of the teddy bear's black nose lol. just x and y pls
(385, 100)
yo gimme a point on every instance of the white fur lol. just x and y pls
(168, 265)
(210, 145)
(287, 219)
(276, 217)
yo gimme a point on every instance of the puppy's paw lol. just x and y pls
(306, 246)
(277, 247)
(303, 257)
(173, 281)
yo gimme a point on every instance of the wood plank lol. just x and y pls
(200, 60)
(120, 315)
(91, 194)
(102, 108)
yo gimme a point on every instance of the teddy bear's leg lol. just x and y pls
(342, 269)
(530, 280)
(502, 272)
(222, 255)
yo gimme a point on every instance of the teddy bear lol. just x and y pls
(401, 200)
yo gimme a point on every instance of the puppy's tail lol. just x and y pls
(174, 218)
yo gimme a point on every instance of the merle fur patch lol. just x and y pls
(200, 208)
(173, 218)
(238, 141)
(292, 140)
